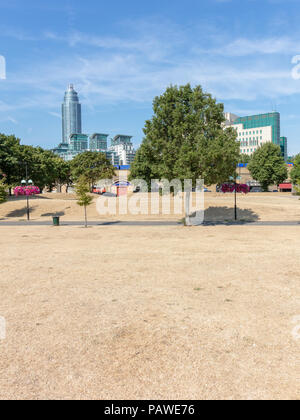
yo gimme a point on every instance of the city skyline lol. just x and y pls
(121, 151)
(233, 49)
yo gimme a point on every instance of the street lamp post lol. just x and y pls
(235, 201)
(235, 196)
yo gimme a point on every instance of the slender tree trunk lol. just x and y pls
(85, 216)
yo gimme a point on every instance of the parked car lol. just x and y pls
(256, 190)
(204, 189)
(99, 191)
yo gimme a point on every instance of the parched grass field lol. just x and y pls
(218, 207)
(116, 312)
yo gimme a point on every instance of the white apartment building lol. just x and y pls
(254, 131)
(251, 140)
(123, 147)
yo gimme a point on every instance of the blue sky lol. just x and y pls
(121, 54)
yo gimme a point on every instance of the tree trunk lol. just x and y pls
(265, 187)
(85, 216)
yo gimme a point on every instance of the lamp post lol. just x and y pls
(27, 182)
(235, 196)
(235, 203)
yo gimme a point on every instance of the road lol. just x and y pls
(145, 223)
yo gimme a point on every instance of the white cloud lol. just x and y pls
(248, 47)
(135, 69)
(55, 114)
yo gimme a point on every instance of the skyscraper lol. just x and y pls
(71, 114)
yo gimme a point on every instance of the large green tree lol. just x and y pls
(267, 166)
(62, 173)
(93, 166)
(10, 157)
(295, 172)
(42, 165)
(185, 139)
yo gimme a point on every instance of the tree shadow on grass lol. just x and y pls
(57, 214)
(19, 212)
(32, 197)
(225, 215)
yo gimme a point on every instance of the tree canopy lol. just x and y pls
(185, 139)
(84, 199)
(295, 172)
(3, 191)
(244, 158)
(267, 166)
(10, 150)
(44, 167)
(93, 166)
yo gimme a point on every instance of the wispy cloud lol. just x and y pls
(55, 114)
(247, 47)
(138, 67)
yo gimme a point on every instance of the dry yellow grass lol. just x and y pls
(265, 207)
(151, 312)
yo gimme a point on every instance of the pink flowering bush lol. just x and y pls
(240, 188)
(29, 190)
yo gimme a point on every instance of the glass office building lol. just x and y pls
(256, 130)
(98, 142)
(78, 143)
(283, 147)
(262, 120)
(71, 114)
(121, 139)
